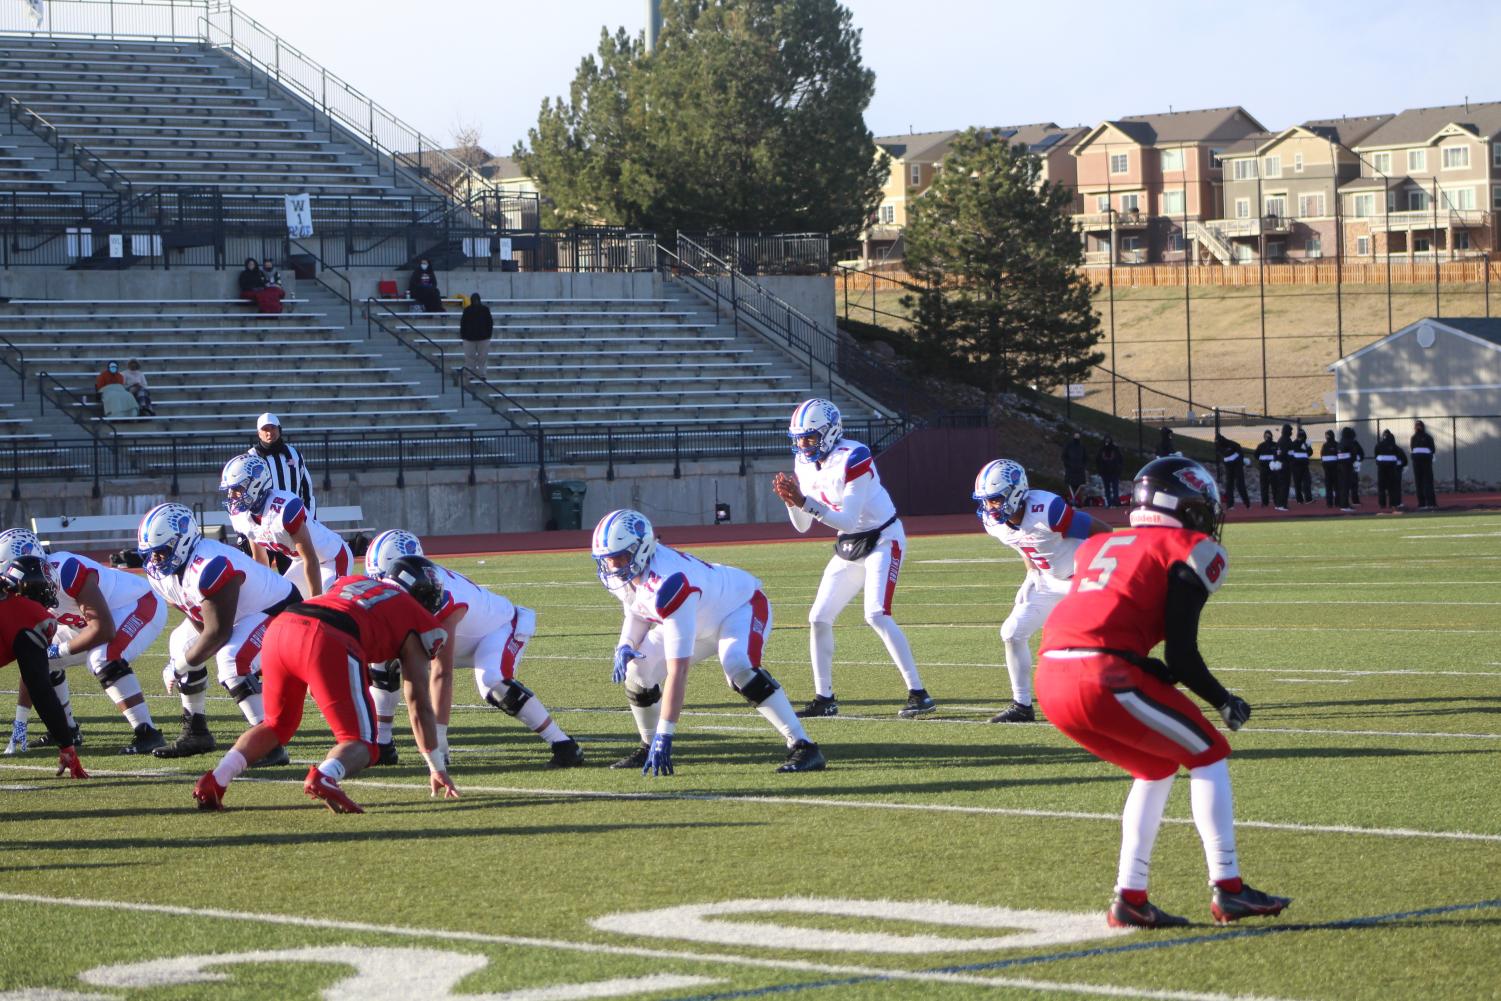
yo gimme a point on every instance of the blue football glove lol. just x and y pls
(659, 758)
(53, 653)
(624, 654)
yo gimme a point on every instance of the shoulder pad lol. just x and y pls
(73, 576)
(674, 591)
(857, 463)
(1209, 561)
(216, 574)
(293, 514)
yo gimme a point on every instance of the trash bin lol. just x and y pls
(565, 504)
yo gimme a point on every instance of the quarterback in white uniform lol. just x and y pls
(105, 617)
(485, 631)
(837, 483)
(1046, 531)
(227, 599)
(680, 610)
(277, 521)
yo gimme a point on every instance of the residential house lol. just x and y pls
(1281, 190)
(1440, 169)
(1145, 181)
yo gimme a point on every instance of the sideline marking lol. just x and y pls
(863, 972)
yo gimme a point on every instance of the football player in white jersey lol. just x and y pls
(105, 617)
(680, 610)
(837, 483)
(227, 599)
(1045, 530)
(277, 521)
(486, 632)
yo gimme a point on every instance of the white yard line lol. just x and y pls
(562, 945)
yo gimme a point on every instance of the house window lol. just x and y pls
(1276, 250)
(1176, 244)
(1456, 157)
(1131, 203)
(1130, 243)
(916, 174)
(1362, 246)
(1422, 244)
(1314, 246)
(1119, 163)
(1381, 163)
(1417, 200)
(1457, 198)
(1216, 159)
(1102, 203)
(1365, 205)
(1417, 160)
(1496, 198)
(1172, 159)
(1243, 206)
(1273, 166)
(1311, 206)
(1496, 154)
(1172, 203)
(1297, 163)
(1275, 206)
(1462, 240)
(1244, 170)
(888, 214)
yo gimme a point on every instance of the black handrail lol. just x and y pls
(441, 365)
(63, 399)
(459, 379)
(54, 138)
(18, 366)
(347, 295)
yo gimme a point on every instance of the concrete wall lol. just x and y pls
(442, 502)
(137, 283)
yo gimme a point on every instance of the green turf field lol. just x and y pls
(1367, 786)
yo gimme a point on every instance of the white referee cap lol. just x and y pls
(267, 420)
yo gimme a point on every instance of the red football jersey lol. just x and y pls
(386, 615)
(1118, 599)
(18, 614)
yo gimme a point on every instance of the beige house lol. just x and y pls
(1146, 181)
(1281, 190)
(1440, 171)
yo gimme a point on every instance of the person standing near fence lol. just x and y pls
(288, 471)
(1266, 455)
(1390, 461)
(1108, 461)
(1333, 468)
(1350, 453)
(1282, 471)
(1075, 467)
(1301, 453)
(1422, 447)
(1233, 460)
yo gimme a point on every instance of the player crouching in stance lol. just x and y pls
(485, 631)
(227, 598)
(276, 521)
(679, 610)
(323, 646)
(25, 630)
(836, 483)
(105, 617)
(1046, 530)
(1135, 589)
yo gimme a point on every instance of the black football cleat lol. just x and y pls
(919, 703)
(387, 755)
(804, 756)
(147, 739)
(195, 738)
(1145, 915)
(278, 756)
(636, 759)
(566, 754)
(44, 739)
(820, 706)
(1015, 713)
(1248, 903)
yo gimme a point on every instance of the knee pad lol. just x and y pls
(642, 697)
(1009, 630)
(57, 677)
(387, 677)
(242, 688)
(755, 685)
(195, 681)
(875, 619)
(113, 673)
(509, 697)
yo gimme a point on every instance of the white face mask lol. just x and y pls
(424, 266)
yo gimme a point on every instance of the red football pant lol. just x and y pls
(301, 655)
(1126, 716)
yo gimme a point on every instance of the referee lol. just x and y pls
(288, 471)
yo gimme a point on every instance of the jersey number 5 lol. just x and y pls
(1096, 576)
(359, 593)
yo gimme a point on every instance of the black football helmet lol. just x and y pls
(30, 577)
(1178, 493)
(419, 577)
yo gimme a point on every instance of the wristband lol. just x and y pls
(432, 766)
(666, 727)
(63, 649)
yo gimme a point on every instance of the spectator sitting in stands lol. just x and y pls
(273, 277)
(135, 381)
(109, 375)
(424, 287)
(254, 288)
(117, 402)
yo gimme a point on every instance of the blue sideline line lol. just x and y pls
(1172, 943)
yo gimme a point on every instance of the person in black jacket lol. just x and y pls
(476, 328)
(1166, 444)
(1108, 461)
(1329, 459)
(1266, 456)
(1302, 480)
(1390, 461)
(1283, 471)
(423, 287)
(1233, 458)
(1351, 452)
(1422, 447)
(1075, 467)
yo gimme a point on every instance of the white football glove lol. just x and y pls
(169, 676)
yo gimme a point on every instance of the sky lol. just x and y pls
(940, 64)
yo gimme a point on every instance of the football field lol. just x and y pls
(939, 858)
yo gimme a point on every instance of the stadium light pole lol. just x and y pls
(1386, 202)
(1187, 309)
(1261, 217)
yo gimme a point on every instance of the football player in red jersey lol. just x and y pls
(325, 645)
(1133, 590)
(26, 629)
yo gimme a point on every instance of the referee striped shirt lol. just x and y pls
(288, 471)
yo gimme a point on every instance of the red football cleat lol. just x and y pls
(209, 793)
(320, 786)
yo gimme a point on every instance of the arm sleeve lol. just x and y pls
(30, 651)
(801, 520)
(853, 501)
(1186, 595)
(633, 631)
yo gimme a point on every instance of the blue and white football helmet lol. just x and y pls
(1001, 480)
(167, 538)
(818, 417)
(250, 479)
(388, 547)
(621, 532)
(18, 542)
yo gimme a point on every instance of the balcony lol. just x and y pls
(1098, 257)
(1424, 219)
(1102, 220)
(883, 231)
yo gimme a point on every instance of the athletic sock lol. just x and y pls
(252, 708)
(897, 646)
(1140, 821)
(229, 767)
(1214, 816)
(779, 713)
(333, 768)
(821, 653)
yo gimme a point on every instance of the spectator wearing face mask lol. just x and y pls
(1390, 461)
(1333, 470)
(1075, 466)
(1233, 458)
(1267, 467)
(1422, 446)
(423, 287)
(1108, 461)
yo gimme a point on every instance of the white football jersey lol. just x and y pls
(282, 516)
(662, 597)
(847, 475)
(120, 590)
(1041, 537)
(213, 565)
(487, 614)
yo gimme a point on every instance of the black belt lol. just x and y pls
(293, 596)
(341, 621)
(870, 533)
